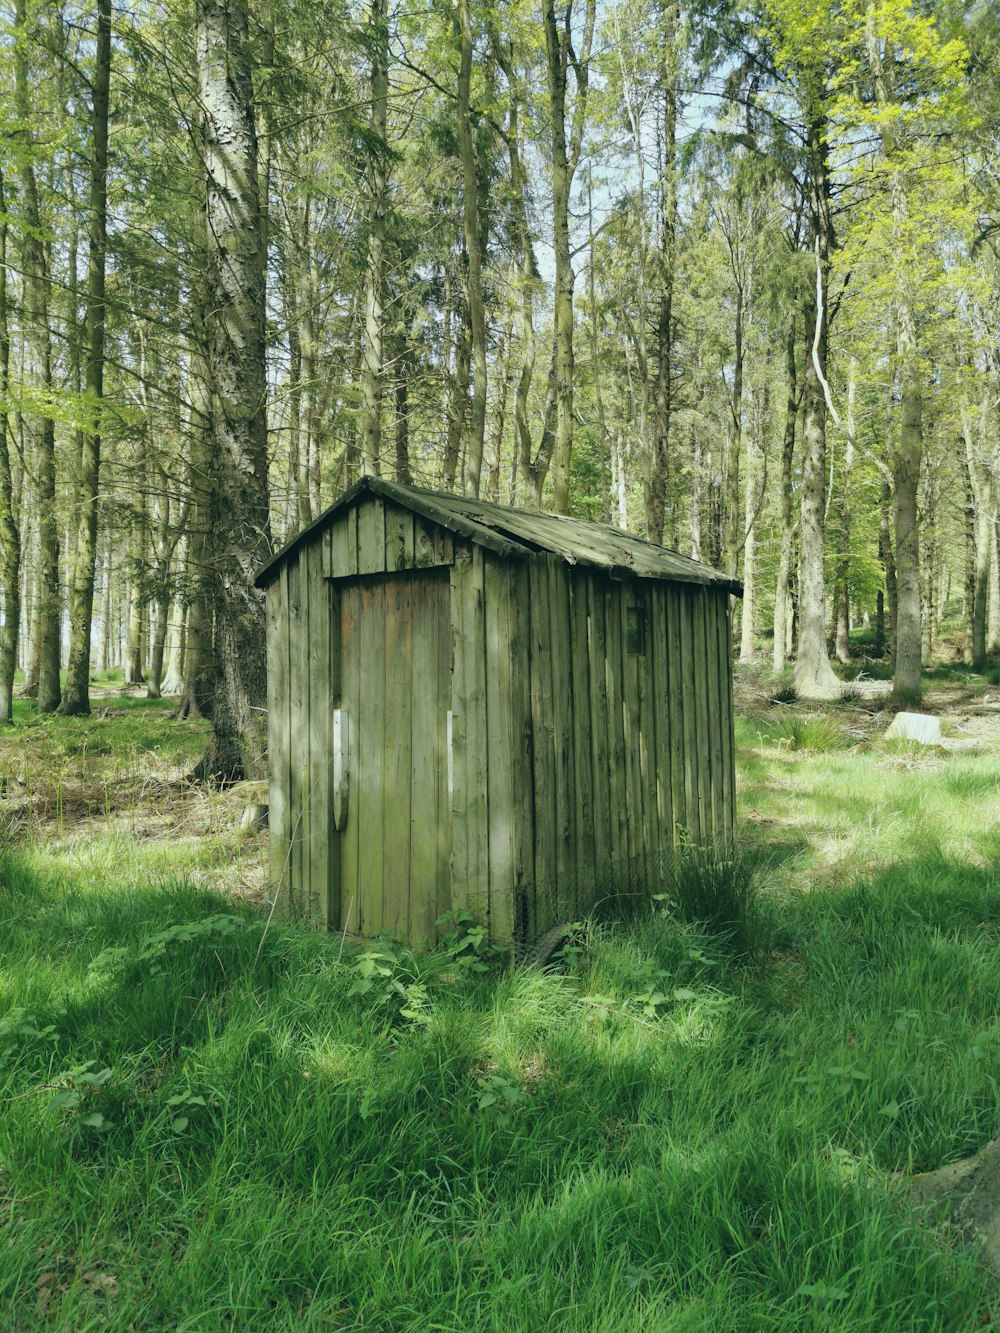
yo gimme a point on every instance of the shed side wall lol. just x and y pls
(630, 753)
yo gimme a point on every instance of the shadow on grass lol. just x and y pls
(657, 1133)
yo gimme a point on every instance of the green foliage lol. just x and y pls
(718, 887)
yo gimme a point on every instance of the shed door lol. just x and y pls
(395, 844)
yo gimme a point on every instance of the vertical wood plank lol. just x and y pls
(598, 738)
(423, 543)
(542, 909)
(370, 803)
(501, 724)
(660, 692)
(470, 836)
(444, 665)
(351, 542)
(350, 700)
(298, 744)
(714, 667)
(726, 657)
(621, 869)
(400, 595)
(339, 564)
(704, 717)
(692, 734)
(335, 907)
(523, 814)
(675, 703)
(371, 535)
(561, 665)
(278, 730)
(635, 794)
(395, 538)
(409, 559)
(320, 755)
(584, 811)
(429, 700)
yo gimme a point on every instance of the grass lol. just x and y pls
(210, 1122)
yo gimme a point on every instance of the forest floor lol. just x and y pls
(210, 1121)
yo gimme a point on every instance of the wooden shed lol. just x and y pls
(474, 706)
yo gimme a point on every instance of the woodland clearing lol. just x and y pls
(213, 1121)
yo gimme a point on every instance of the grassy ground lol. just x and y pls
(209, 1122)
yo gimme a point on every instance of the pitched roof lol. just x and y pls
(518, 533)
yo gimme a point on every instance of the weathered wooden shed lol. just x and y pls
(475, 706)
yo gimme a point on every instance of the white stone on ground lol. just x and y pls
(920, 727)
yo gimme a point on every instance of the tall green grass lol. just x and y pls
(211, 1124)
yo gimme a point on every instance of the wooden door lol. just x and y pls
(395, 842)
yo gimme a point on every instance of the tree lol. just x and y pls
(235, 365)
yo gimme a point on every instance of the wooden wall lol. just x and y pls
(620, 755)
(576, 766)
(302, 668)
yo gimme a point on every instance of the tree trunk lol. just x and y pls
(814, 677)
(842, 638)
(565, 152)
(236, 266)
(371, 419)
(782, 646)
(10, 535)
(659, 471)
(474, 266)
(34, 261)
(906, 461)
(458, 397)
(76, 699)
(751, 508)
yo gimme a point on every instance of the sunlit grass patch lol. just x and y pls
(217, 1116)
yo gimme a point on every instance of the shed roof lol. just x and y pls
(517, 533)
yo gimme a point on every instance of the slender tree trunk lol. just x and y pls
(782, 645)
(236, 373)
(842, 644)
(402, 424)
(814, 677)
(748, 615)
(474, 267)
(565, 152)
(659, 471)
(10, 535)
(906, 684)
(499, 426)
(970, 570)
(173, 670)
(76, 699)
(371, 427)
(46, 602)
(734, 449)
(993, 619)
(888, 559)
